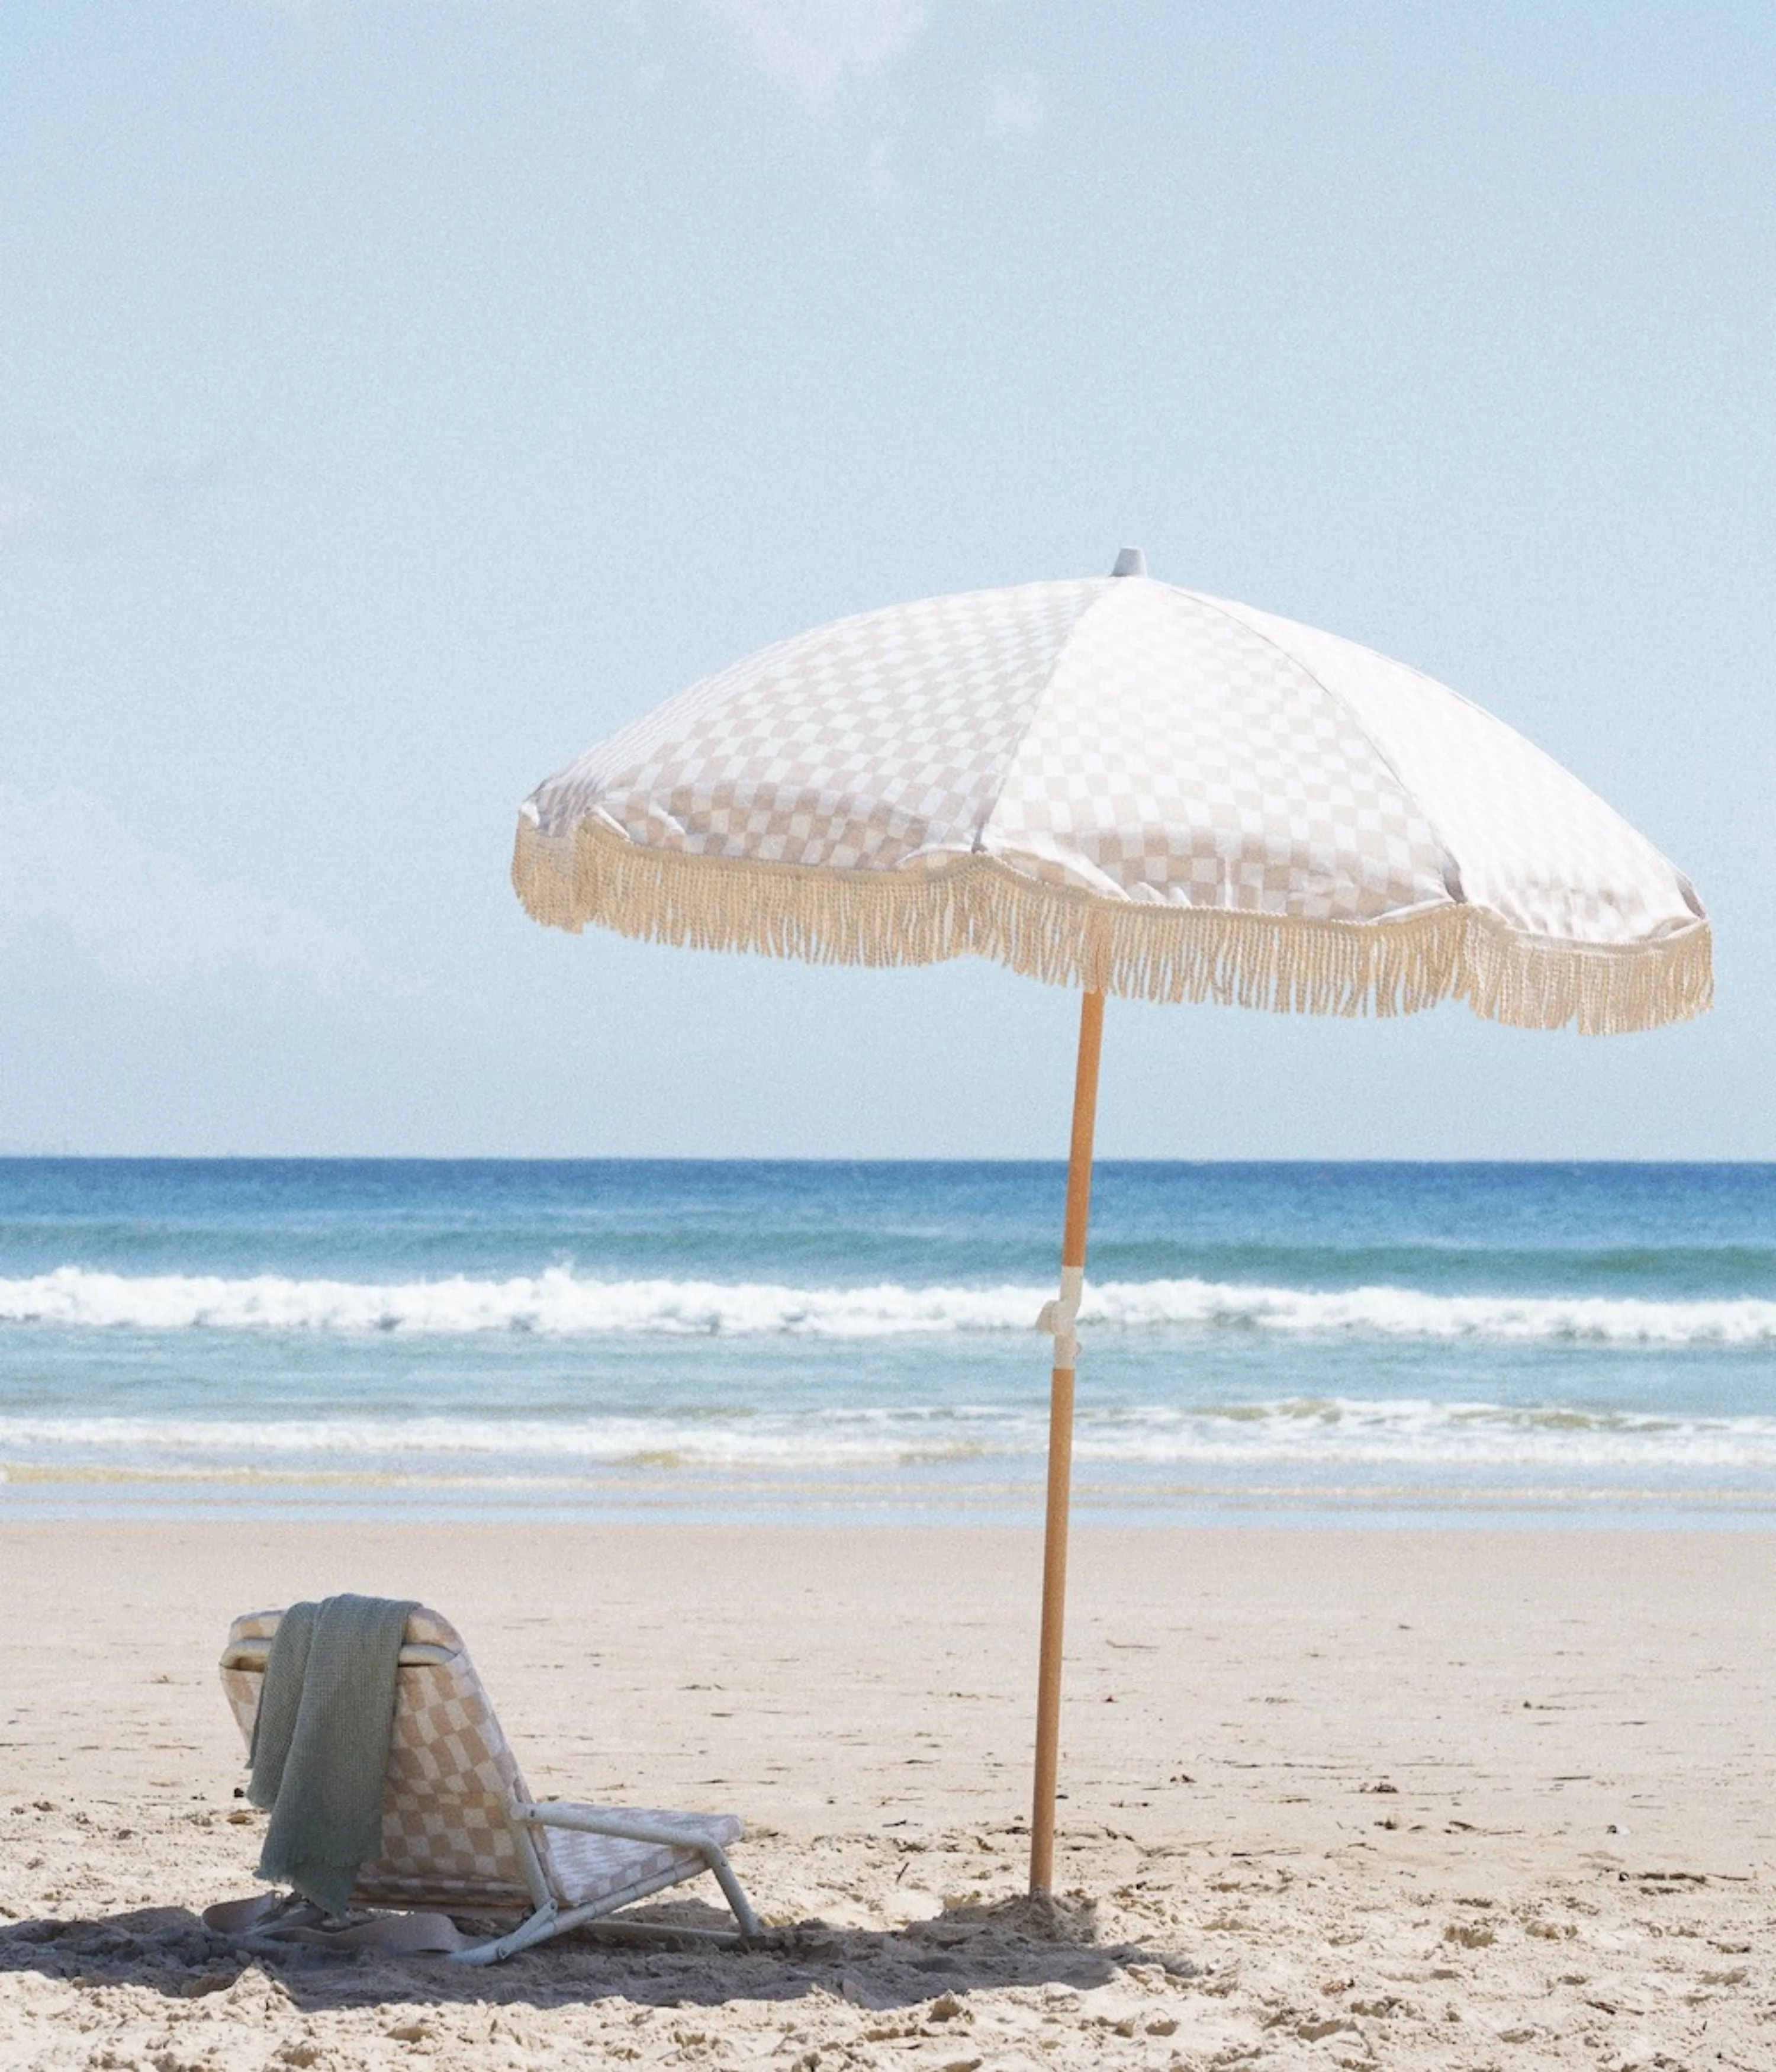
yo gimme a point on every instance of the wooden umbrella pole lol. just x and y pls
(1060, 1445)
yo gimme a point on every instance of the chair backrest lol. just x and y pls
(447, 1827)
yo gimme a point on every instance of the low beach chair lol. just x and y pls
(461, 1834)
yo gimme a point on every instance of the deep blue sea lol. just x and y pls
(1579, 1344)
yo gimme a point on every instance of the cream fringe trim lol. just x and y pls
(978, 906)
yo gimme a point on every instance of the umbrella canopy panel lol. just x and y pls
(1131, 787)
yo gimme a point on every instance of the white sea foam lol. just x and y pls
(560, 1303)
(1402, 1436)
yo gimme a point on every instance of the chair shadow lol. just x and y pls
(1019, 1942)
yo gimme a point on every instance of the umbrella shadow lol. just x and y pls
(1020, 1942)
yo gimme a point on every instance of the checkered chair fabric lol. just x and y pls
(446, 1826)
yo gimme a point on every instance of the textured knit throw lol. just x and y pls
(320, 1742)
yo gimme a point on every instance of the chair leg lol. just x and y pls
(554, 1920)
(733, 1892)
(546, 1922)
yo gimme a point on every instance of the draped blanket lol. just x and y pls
(320, 1742)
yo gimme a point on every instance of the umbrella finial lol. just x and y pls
(1130, 562)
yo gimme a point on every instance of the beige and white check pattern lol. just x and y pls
(1123, 786)
(1144, 744)
(446, 1825)
(1178, 757)
(1524, 839)
(876, 743)
(585, 1868)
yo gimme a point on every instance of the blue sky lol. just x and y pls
(395, 397)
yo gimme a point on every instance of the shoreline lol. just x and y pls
(40, 1495)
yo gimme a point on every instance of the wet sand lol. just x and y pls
(1457, 1798)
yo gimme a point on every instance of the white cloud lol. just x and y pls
(75, 499)
(812, 44)
(21, 512)
(809, 45)
(81, 895)
(1016, 101)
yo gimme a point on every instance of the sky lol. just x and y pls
(397, 395)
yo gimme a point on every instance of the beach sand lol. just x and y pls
(1412, 1799)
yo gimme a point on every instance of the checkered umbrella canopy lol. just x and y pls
(1128, 788)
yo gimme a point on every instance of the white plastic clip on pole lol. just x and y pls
(1059, 1316)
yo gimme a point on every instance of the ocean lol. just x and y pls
(614, 1340)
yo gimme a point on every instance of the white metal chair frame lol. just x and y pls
(552, 1915)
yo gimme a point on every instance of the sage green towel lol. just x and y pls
(320, 1742)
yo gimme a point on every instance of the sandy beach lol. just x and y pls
(1459, 1799)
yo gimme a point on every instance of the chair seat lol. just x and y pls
(589, 1868)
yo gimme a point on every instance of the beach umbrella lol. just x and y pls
(1127, 787)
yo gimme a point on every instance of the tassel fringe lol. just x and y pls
(978, 906)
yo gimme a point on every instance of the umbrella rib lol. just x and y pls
(1112, 586)
(1451, 861)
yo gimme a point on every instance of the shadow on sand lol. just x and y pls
(1019, 1941)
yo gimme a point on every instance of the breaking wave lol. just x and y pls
(562, 1303)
